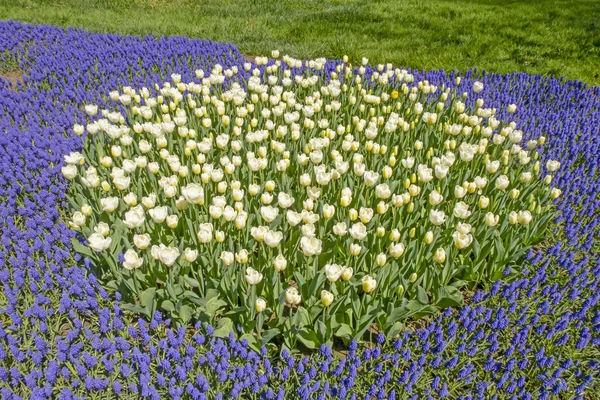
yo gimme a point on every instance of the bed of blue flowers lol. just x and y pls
(62, 335)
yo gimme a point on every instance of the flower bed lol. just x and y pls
(321, 229)
(63, 336)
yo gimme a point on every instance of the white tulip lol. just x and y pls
(253, 277)
(78, 219)
(285, 200)
(272, 239)
(261, 305)
(326, 298)
(158, 214)
(292, 296)
(483, 202)
(437, 217)
(328, 211)
(310, 246)
(462, 241)
(358, 231)
(69, 171)
(141, 241)
(383, 191)
(333, 272)
(309, 230)
(480, 182)
(461, 210)
(459, 192)
(190, 255)
(552, 165)
(168, 255)
(149, 201)
(91, 109)
(131, 260)
(491, 219)
(492, 166)
(346, 274)
(371, 178)
(439, 256)
(98, 243)
(226, 257)
(130, 199)
(193, 193)
(109, 204)
(424, 173)
(435, 198)
(134, 218)
(280, 263)
(368, 284)
(74, 158)
(467, 151)
(463, 228)
(441, 171)
(102, 228)
(340, 229)
(293, 217)
(269, 213)
(524, 217)
(366, 215)
(502, 182)
(205, 232)
(408, 162)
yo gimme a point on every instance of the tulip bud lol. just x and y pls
(368, 284)
(491, 219)
(326, 298)
(346, 274)
(280, 263)
(413, 277)
(86, 209)
(172, 221)
(439, 255)
(428, 239)
(355, 249)
(512, 217)
(353, 214)
(514, 194)
(532, 206)
(380, 231)
(381, 259)
(261, 305)
(412, 232)
(400, 290)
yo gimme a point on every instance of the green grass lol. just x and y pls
(559, 38)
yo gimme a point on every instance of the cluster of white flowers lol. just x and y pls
(289, 178)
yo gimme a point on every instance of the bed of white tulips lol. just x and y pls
(303, 207)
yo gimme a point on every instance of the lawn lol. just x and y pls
(560, 38)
